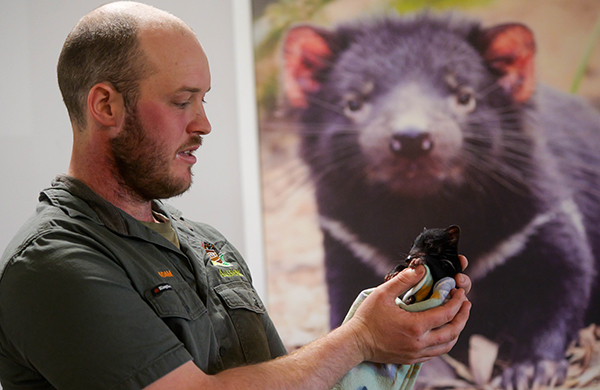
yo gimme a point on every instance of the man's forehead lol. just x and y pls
(168, 42)
(176, 58)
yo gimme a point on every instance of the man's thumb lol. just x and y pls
(406, 279)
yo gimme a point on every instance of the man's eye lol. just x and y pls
(182, 104)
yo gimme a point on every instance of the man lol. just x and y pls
(106, 287)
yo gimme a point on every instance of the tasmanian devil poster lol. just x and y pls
(378, 119)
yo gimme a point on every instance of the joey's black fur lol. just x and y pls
(436, 248)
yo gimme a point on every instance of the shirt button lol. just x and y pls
(222, 351)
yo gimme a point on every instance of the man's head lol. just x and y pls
(133, 79)
(102, 47)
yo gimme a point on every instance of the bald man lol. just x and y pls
(107, 287)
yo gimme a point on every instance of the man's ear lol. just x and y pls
(105, 105)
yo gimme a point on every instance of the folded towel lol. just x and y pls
(374, 376)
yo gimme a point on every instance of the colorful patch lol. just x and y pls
(160, 288)
(228, 273)
(166, 274)
(215, 258)
(208, 246)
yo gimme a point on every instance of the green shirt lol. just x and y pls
(90, 298)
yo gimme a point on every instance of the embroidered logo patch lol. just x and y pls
(160, 288)
(166, 274)
(228, 273)
(208, 246)
(215, 258)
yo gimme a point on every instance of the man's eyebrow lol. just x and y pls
(192, 90)
(189, 89)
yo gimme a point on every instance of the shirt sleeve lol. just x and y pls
(69, 313)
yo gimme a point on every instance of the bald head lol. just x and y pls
(145, 16)
(104, 46)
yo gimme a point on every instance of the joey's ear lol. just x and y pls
(105, 105)
(453, 233)
(509, 49)
(306, 51)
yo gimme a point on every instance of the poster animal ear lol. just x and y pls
(509, 49)
(306, 51)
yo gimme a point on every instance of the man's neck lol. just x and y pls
(121, 197)
(92, 163)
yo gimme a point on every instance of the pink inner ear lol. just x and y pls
(511, 50)
(305, 52)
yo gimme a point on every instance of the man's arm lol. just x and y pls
(379, 332)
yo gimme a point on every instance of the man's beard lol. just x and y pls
(142, 166)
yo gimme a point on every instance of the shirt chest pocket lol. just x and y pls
(247, 312)
(175, 300)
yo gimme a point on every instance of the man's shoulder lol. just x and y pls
(51, 226)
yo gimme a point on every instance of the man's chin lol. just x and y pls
(179, 187)
(162, 190)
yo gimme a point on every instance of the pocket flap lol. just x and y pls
(172, 300)
(240, 295)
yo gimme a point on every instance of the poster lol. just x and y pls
(564, 55)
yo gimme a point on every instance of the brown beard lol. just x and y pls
(142, 165)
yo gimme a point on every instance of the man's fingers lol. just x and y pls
(462, 280)
(463, 262)
(442, 339)
(450, 331)
(439, 316)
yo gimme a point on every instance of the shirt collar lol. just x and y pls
(111, 216)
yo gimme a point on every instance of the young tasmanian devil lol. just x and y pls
(429, 121)
(436, 248)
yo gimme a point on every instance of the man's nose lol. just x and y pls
(200, 124)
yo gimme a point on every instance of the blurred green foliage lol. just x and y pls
(583, 64)
(280, 16)
(405, 6)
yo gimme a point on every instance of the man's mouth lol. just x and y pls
(187, 154)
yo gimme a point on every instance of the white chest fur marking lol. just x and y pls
(517, 242)
(368, 254)
(510, 247)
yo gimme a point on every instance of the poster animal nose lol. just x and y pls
(411, 144)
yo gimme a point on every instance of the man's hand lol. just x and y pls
(387, 334)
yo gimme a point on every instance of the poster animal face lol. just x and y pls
(378, 119)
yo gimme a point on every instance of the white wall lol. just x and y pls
(35, 134)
